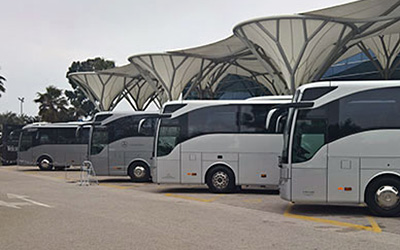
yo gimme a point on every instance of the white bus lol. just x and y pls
(52, 145)
(118, 148)
(342, 145)
(224, 144)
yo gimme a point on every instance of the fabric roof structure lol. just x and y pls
(378, 31)
(172, 72)
(231, 56)
(280, 53)
(107, 88)
(298, 46)
(304, 46)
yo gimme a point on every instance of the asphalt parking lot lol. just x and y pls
(50, 209)
(339, 218)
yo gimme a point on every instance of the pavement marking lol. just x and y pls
(374, 226)
(190, 198)
(24, 198)
(15, 205)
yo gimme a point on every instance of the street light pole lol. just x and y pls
(21, 99)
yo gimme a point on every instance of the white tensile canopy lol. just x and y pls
(298, 46)
(107, 88)
(173, 72)
(230, 56)
(281, 53)
(378, 31)
(303, 47)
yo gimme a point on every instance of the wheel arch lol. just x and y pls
(219, 164)
(136, 160)
(43, 156)
(379, 176)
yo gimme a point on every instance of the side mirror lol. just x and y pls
(269, 117)
(140, 126)
(78, 132)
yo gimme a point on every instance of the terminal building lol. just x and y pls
(266, 56)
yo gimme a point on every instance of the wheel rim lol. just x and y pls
(45, 163)
(220, 180)
(387, 197)
(139, 172)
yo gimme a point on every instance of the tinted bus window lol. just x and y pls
(171, 133)
(210, 120)
(253, 118)
(123, 128)
(26, 141)
(66, 136)
(310, 133)
(148, 127)
(367, 110)
(84, 138)
(47, 136)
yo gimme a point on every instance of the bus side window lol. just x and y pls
(147, 126)
(252, 118)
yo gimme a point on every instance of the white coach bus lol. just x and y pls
(118, 148)
(52, 145)
(342, 145)
(224, 144)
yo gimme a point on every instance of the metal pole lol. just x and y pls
(21, 99)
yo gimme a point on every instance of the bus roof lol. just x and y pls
(110, 116)
(345, 88)
(189, 105)
(54, 125)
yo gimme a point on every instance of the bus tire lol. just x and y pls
(221, 179)
(383, 196)
(139, 172)
(45, 163)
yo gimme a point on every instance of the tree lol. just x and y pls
(2, 88)
(14, 119)
(82, 106)
(53, 105)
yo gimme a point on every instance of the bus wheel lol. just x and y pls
(383, 197)
(221, 180)
(139, 172)
(45, 163)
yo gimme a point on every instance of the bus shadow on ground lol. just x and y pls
(329, 210)
(204, 190)
(117, 180)
(36, 169)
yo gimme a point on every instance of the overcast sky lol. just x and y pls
(40, 39)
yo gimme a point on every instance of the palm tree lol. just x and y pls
(9, 118)
(2, 88)
(53, 105)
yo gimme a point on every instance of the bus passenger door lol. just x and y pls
(116, 159)
(26, 144)
(98, 153)
(309, 158)
(168, 167)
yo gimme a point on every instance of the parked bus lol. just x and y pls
(52, 145)
(9, 143)
(224, 144)
(342, 145)
(117, 146)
